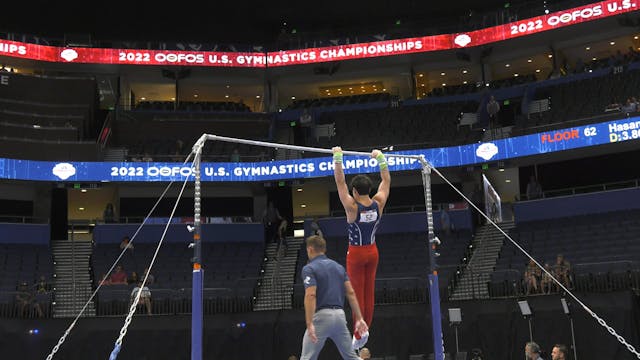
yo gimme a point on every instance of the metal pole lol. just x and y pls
(436, 316)
(573, 340)
(73, 265)
(300, 148)
(457, 349)
(530, 332)
(198, 272)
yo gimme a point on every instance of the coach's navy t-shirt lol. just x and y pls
(329, 278)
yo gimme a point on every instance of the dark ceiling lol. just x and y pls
(248, 22)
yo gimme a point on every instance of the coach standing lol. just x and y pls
(326, 285)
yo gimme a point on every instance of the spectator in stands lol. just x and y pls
(271, 219)
(109, 214)
(150, 279)
(629, 106)
(534, 190)
(126, 243)
(445, 220)
(532, 351)
(26, 300)
(105, 280)
(493, 108)
(119, 277)
(147, 158)
(42, 286)
(559, 352)
(282, 233)
(364, 354)
(531, 278)
(306, 124)
(235, 156)
(145, 296)
(363, 217)
(562, 271)
(546, 283)
(133, 278)
(326, 285)
(315, 227)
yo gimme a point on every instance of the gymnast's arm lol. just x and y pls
(385, 185)
(343, 192)
(361, 325)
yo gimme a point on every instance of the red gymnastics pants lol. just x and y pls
(362, 263)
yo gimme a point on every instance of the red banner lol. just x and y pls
(538, 24)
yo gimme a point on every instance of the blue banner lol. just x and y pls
(462, 155)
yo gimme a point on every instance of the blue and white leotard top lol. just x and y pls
(363, 230)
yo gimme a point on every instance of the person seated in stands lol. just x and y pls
(119, 277)
(531, 278)
(562, 271)
(133, 278)
(546, 283)
(105, 280)
(634, 104)
(42, 285)
(629, 106)
(150, 279)
(26, 300)
(145, 297)
(126, 243)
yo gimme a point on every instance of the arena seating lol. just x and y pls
(231, 275)
(583, 96)
(602, 249)
(415, 126)
(24, 263)
(156, 133)
(193, 106)
(340, 101)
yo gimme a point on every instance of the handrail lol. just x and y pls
(630, 262)
(6, 219)
(632, 183)
(105, 131)
(507, 271)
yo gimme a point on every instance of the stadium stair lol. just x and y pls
(72, 279)
(473, 282)
(275, 289)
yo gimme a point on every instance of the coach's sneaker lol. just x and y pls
(357, 344)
